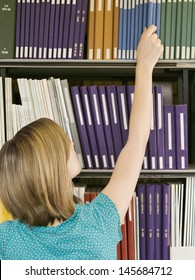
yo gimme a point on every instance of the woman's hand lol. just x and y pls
(149, 48)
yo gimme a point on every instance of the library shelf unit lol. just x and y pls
(182, 72)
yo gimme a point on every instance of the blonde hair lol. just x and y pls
(35, 186)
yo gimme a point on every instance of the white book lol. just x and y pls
(54, 104)
(46, 99)
(8, 108)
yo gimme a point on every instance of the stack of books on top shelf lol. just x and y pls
(96, 119)
(56, 29)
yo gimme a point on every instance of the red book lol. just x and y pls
(130, 232)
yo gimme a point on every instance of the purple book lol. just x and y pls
(83, 28)
(27, 28)
(78, 112)
(158, 221)
(87, 111)
(107, 125)
(150, 226)
(18, 22)
(56, 29)
(159, 127)
(66, 29)
(166, 210)
(123, 112)
(169, 137)
(31, 33)
(130, 95)
(72, 29)
(51, 28)
(46, 28)
(41, 29)
(152, 138)
(36, 27)
(22, 28)
(61, 27)
(142, 220)
(98, 125)
(75, 54)
(114, 119)
(181, 136)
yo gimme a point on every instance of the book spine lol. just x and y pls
(32, 26)
(162, 24)
(107, 125)
(166, 197)
(90, 30)
(22, 28)
(46, 28)
(120, 33)
(18, 22)
(36, 29)
(130, 231)
(181, 136)
(51, 29)
(132, 30)
(158, 15)
(142, 219)
(108, 32)
(77, 27)
(158, 221)
(75, 96)
(170, 141)
(135, 40)
(87, 110)
(115, 29)
(61, 28)
(41, 28)
(173, 28)
(66, 29)
(99, 29)
(124, 28)
(56, 29)
(150, 226)
(178, 30)
(72, 29)
(84, 17)
(128, 28)
(189, 28)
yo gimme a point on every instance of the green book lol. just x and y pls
(173, 27)
(168, 29)
(189, 29)
(193, 32)
(184, 30)
(7, 28)
(178, 30)
(162, 23)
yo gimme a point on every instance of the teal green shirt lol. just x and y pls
(91, 233)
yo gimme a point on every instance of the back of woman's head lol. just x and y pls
(35, 186)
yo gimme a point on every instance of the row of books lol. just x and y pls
(63, 29)
(96, 119)
(43, 29)
(161, 217)
(115, 28)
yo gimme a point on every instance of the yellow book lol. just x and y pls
(4, 214)
(90, 30)
(99, 29)
(115, 29)
(108, 26)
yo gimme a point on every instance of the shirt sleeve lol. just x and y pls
(106, 213)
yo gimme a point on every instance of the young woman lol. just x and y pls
(36, 170)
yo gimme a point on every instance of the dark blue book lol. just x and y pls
(51, 29)
(166, 225)
(56, 29)
(150, 13)
(66, 29)
(87, 112)
(120, 30)
(159, 126)
(27, 28)
(158, 14)
(181, 136)
(61, 27)
(136, 27)
(145, 14)
(132, 31)
(46, 28)
(125, 31)
(140, 21)
(169, 136)
(141, 193)
(150, 222)
(32, 28)
(41, 28)
(114, 119)
(36, 29)
(81, 125)
(123, 112)
(98, 126)
(107, 125)
(72, 29)
(84, 14)
(158, 204)
(77, 27)
(128, 29)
